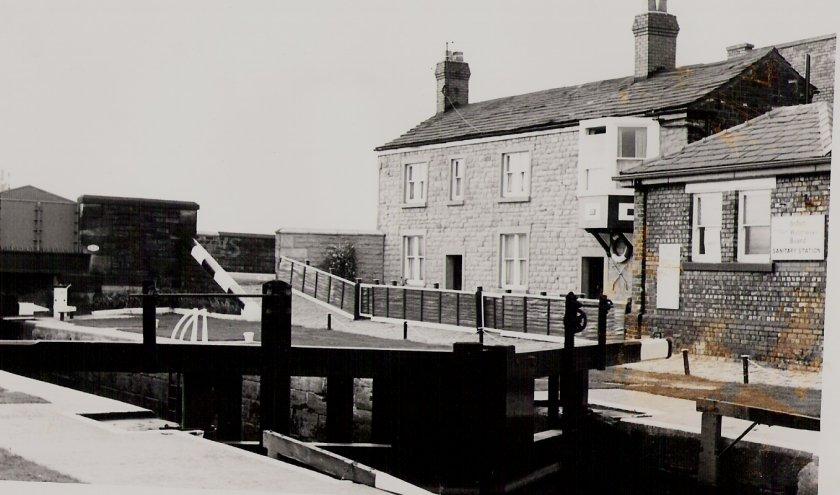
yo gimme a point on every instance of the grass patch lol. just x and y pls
(232, 330)
(16, 468)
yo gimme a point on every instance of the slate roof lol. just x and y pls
(565, 106)
(32, 193)
(786, 134)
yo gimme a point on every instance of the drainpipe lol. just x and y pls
(643, 253)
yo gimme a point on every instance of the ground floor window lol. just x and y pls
(754, 226)
(514, 261)
(414, 259)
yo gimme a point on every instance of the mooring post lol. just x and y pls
(149, 316)
(329, 321)
(275, 344)
(745, 359)
(685, 362)
(405, 330)
(604, 305)
(479, 314)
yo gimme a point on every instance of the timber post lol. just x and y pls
(275, 343)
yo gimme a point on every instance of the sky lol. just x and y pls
(266, 113)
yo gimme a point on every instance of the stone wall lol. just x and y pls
(472, 229)
(236, 252)
(822, 51)
(312, 246)
(775, 317)
(138, 239)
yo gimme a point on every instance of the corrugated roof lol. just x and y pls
(32, 193)
(565, 106)
(784, 134)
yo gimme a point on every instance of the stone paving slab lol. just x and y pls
(54, 435)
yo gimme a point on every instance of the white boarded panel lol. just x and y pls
(668, 277)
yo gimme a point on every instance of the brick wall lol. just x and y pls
(138, 239)
(236, 252)
(312, 246)
(822, 62)
(775, 317)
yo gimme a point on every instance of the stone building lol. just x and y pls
(516, 193)
(731, 239)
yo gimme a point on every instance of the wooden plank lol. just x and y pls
(759, 415)
(710, 438)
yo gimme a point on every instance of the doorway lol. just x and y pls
(592, 276)
(454, 271)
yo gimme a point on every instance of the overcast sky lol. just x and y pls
(266, 113)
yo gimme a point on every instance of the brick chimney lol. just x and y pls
(656, 39)
(738, 50)
(453, 81)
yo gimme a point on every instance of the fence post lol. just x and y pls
(303, 278)
(479, 313)
(525, 314)
(745, 359)
(275, 344)
(547, 313)
(149, 317)
(685, 362)
(315, 292)
(357, 300)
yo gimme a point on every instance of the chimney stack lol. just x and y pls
(738, 50)
(453, 81)
(656, 39)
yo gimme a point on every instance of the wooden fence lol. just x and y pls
(317, 283)
(528, 313)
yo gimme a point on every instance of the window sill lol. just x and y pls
(413, 205)
(727, 267)
(415, 283)
(515, 199)
(455, 202)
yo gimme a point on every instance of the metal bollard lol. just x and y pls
(745, 359)
(685, 362)
(405, 330)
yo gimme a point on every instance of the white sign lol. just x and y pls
(668, 277)
(798, 237)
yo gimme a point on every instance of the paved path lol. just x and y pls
(727, 370)
(101, 453)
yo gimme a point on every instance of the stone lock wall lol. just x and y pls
(775, 317)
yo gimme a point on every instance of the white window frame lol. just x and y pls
(743, 257)
(517, 257)
(506, 178)
(457, 165)
(620, 154)
(696, 256)
(419, 181)
(409, 257)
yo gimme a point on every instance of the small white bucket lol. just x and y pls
(249, 336)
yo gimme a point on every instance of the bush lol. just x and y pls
(340, 260)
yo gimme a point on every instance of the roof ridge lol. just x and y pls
(788, 44)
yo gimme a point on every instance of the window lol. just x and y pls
(414, 249)
(514, 261)
(632, 142)
(596, 130)
(705, 239)
(754, 226)
(415, 183)
(516, 172)
(456, 185)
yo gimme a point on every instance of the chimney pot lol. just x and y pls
(737, 50)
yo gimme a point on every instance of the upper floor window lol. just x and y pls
(415, 183)
(516, 175)
(514, 261)
(414, 259)
(456, 174)
(754, 226)
(632, 142)
(705, 239)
